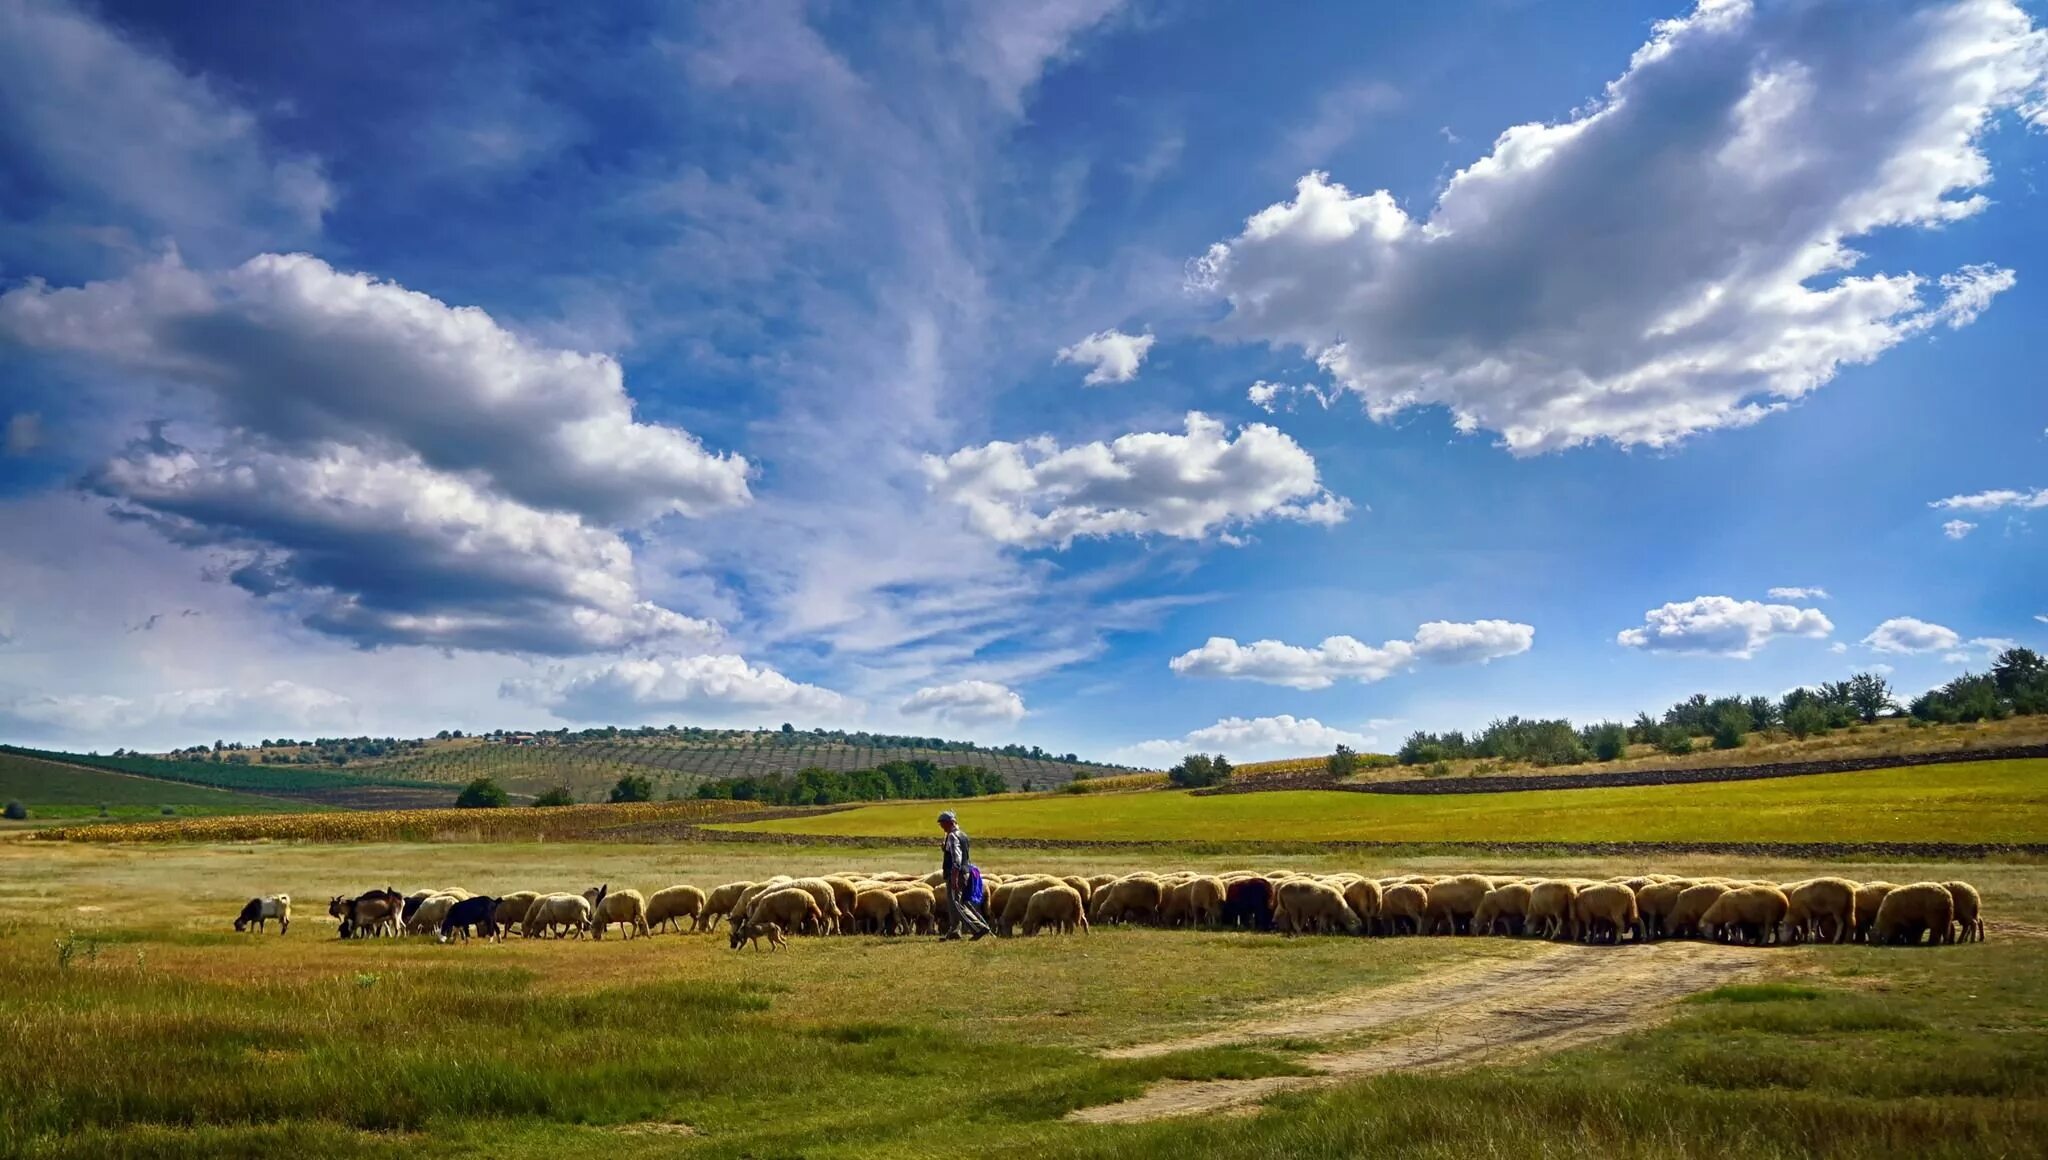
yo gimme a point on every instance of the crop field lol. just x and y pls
(219, 775)
(55, 791)
(138, 1023)
(1982, 802)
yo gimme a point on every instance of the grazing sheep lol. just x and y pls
(875, 911)
(723, 900)
(1969, 912)
(1206, 896)
(753, 893)
(1820, 908)
(1750, 914)
(828, 904)
(917, 909)
(1604, 912)
(1869, 897)
(1307, 906)
(1550, 909)
(1056, 906)
(1403, 907)
(511, 912)
(1504, 910)
(754, 932)
(628, 908)
(1132, 898)
(1008, 911)
(1908, 912)
(669, 906)
(1656, 901)
(1453, 902)
(427, 914)
(475, 912)
(843, 891)
(1691, 907)
(560, 915)
(1363, 896)
(259, 911)
(790, 908)
(1247, 901)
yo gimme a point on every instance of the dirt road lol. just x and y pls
(1487, 1012)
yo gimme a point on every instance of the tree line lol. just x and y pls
(2016, 684)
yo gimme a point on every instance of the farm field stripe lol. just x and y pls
(1568, 997)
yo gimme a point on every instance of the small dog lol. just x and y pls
(754, 932)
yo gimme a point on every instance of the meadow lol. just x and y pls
(137, 1023)
(52, 791)
(1979, 802)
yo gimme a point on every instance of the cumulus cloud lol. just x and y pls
(1247, 739)
(1677, 256)
(1797, 593)
(399, 470)
(1957, 529)
(1111, 355)
(1906, 634)
(1037, 493)
(1991, 501)
(709, 687)
(1273, 398)
(967, 703)
(1347, 658)
(1722, 626)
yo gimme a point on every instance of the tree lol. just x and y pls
(1342, 762)
(1869, 695)
(481, 794)
(1609, 740)
(2021, 675)
(1806, 718)
(558, 796)
(1675, 741)
(1731, 724)
(634, 787)
(1198, 769)
(15, 812)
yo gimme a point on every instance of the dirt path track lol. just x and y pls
(1484, 1012)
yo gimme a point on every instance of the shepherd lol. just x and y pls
(964, 890)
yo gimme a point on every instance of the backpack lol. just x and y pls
(977, 893)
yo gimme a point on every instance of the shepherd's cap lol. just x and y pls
(947, 816)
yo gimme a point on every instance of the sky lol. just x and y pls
(1128, 377)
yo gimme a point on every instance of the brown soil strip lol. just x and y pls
(1478, 1013)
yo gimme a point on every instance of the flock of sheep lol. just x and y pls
(1643, 907)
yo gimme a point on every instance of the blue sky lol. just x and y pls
(1126, 377)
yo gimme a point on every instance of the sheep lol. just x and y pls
(1605, 912)
(1363, 896)
(1504, 910)
(1129, 899)
(753, 893)
(478, 912)
(560, 915)
(1869, 896)
(1247, 901)
(790, 908)
(1057, 906)
(1402, 907)
(1969, 907)
(1453, 902)
(1655, 902)
(917, 908)
(259, 911)
(628, 908)
(1907, 912)
(875, 911)
(843, 892)
(1820, 908)
(668, 906)
(1550, 909)
(1309, 906)
(1206, 896)
(753, 932)
(1752, 914)
(511, 912)
(723, 900)
(1009, 909)
(828, 904)
(427, 915)
(1690, 907)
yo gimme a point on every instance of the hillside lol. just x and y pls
(53, 790)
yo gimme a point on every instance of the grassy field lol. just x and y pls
(55, 791)
(138, 1024)
(1977, 802)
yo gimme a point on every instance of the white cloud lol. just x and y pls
(967, 703)
(24, 433)
(1563, 290)
(708, 688)
(1010, 46)
(1722, 625)
(126, 136)
(1990, 501)
(285, 706)
(1273, 398)
(1247, 739)
(1797, 593)
(1346, 658)
(2042, 617)
(1905, 634)
(1340, 114)
(1037, 493)
(1111, 355)
(1957, 529)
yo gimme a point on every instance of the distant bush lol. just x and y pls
(169, 811)
(633, 787)
(1343, 762)
(558, 796)
(1609, 740)
(1199, 769)
(1676, 742)
(1731, 725)
(15, 812)
(482, 794)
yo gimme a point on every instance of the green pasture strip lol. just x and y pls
(219, 775)
(51, 789)
(1979, 802)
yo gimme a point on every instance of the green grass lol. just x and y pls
(51, 791)
(219, 775)
(2002, 801)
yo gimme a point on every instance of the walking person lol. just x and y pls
(963, 882)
